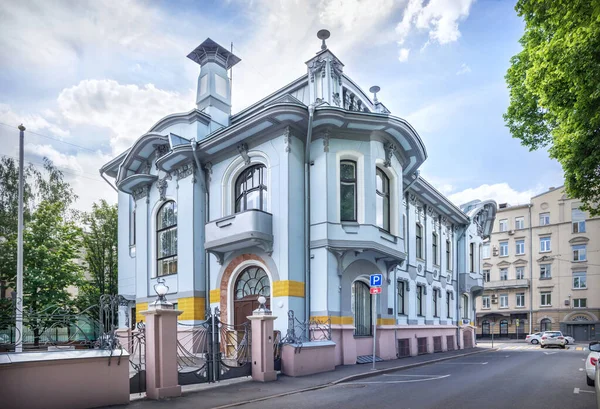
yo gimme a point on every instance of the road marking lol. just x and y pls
(461, 363)
(407, 381)
(576, 390)
(581, 369)
(385, 374)
(550, 353)
(584, 391)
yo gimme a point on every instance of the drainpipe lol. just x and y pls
(530, 273)
(311, 112)
(206, 219)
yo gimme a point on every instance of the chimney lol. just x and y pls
(214, 87)
(502, 205)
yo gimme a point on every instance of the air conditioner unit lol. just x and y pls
(494, 301)
(511, 232)
(494, 296)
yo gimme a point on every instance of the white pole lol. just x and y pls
(374, 326)
(19, 312)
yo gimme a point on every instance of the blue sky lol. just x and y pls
(99, 74)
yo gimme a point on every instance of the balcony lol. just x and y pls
(252, 228)
(505, 284)
(470, 283)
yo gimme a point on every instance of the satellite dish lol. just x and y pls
(323, 35)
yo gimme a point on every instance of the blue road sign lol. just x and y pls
(376, 280)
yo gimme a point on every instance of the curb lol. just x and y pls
(352, 378)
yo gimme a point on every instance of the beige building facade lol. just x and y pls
(541, 269)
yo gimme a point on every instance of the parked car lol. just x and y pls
(598, 384)
(591, 362)
(555, 338)
(533, 338)
(570, 340)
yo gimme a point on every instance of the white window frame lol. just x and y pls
(504, 272)
(577, 221)
(519, 223)
(579, 275)
(546, 299)
(360, 184)
(545, 271)
(544, 219)
(485, 302)
(503, 245)
(579, 252)
(520, 299)
(545, 244)
(520, 247)
(520, 276)
(486, 275)
(503, 225)
(503, 300)
(577, 302)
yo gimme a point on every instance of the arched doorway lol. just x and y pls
(545, 325)
(251, 283)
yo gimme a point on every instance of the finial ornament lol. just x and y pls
(323, 35)
(374, 89)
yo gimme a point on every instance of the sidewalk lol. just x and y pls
(243, 390)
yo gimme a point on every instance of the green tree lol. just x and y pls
(554, 87)
(100, 247)
(51, 249)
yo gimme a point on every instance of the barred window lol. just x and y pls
(361, 303)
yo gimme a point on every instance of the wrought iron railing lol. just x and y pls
(306, 331)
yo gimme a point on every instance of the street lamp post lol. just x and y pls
(20, 292)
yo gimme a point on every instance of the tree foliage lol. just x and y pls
(100, 246)
(554, 87)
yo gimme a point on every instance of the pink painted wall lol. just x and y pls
(68, 380)
(311, 358)
(364, 345)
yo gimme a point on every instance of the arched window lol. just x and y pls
(348, 191)
(382, 200)
(166, 239)
(361, 303)
(545, 325)
(504, 327)
(485, 327)
(253, 281)
(251, 189)
(419, 236)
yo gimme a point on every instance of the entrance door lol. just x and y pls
(251, 283)
(580, 333)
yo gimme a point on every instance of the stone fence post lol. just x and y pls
(263, 363)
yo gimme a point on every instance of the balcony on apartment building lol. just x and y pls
(470, 282)
(251, 228)
(507, 284)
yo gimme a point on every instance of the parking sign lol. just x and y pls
(376, 280)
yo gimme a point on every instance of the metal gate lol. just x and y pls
(213, 350)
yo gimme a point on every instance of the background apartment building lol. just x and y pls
(541, 269)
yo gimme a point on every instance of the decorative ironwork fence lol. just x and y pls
(306, 331)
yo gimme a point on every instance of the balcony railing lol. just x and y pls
(494, 285)
(238, 231)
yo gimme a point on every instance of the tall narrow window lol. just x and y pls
(419, 237)
(544, 244)
(434, 243)
(579, 252)
(485, 250)
(401, 292)
(520, 272)
(448, 304)
(131, 221)
(436, 294)
(520, 247)
(420, 292)
(348, 191)
(472, 257)
(503, 225)
(362, 308)
(383, 200)
(578, 220)
(503, 274)
(448, 255)
(166, 239)
(465, 309)
(251, 189)
(519, 223)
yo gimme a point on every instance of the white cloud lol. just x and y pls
(464, 69)
(128, 111)
(500, 192)
(33, 122)
(440, 17)
(61, 160)
(403, 54)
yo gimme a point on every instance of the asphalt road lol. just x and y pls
(528, 378)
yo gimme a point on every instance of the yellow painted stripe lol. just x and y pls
(215, 296)
(335, 320)
(288, 288)
(386, 321)
(139, 307)
(192, 307)
(579, 348)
